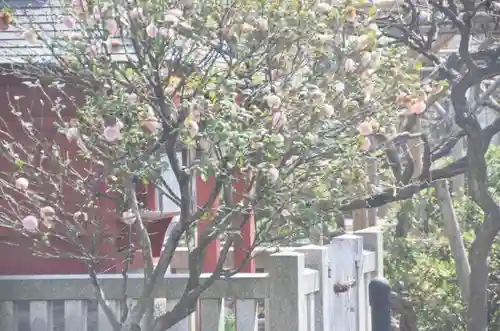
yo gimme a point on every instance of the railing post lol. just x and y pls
(287, 305)
(316, 257)
(345, 254)
(379, 291)
(373, 241)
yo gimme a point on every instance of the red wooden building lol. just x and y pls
(19, 259)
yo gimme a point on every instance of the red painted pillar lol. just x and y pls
(203, 192)
(247, 239)
(245, 242)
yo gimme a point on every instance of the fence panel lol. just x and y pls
(309, 288)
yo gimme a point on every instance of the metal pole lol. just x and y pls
(379, 291)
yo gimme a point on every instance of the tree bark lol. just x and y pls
(478, 258)
(454, 235)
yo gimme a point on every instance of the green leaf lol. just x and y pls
(19, 163)
(372, 11)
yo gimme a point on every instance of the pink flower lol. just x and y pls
(349, 65)
(365, 129)
(22, 183)
(151, 126)
(30, 223)
(112, 133)
(152, 30)
(276, 119)
(76, 36)
(112, 27)
(69, 22)
(417, 107)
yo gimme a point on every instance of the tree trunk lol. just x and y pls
(454, 235)
(478, 258)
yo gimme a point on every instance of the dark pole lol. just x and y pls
(379, 291)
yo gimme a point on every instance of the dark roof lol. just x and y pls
(44, 16)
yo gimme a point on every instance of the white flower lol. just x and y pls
(274, 174)
(324, 7)
(328, 110)
(132, 99)
(285, 213)
(262, 25)
(339, 87)
(47, 213)
(69, 22)
(129, 217)
(417, 107)
(22, 183)
(30, 35)
(72, 134)
(373, 27)
(291, 160)
(175, 12)
(112, 26)
(192, 128)
(80, 216)
(112, 133)
(349, 65)
(365, 128)
(273, 101)
(30, 223)
(152, 30)
(119, 124)
(171, 19)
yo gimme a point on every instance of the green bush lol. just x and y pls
(422, 264)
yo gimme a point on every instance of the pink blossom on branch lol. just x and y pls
(30, 223)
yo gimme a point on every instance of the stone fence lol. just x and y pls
(302, 289)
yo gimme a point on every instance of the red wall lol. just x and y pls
(15, 254)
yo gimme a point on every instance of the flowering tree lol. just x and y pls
(469, 75)
(292, 98)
